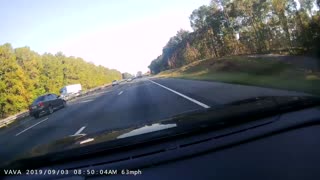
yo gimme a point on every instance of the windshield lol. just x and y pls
(128, 65)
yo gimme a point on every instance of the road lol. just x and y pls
(144, 100)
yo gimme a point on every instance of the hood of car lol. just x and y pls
(81, 140)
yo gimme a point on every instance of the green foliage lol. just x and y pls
(228, 27)
(24, 75)
(190, 54)
(13, 94)
(249, 71)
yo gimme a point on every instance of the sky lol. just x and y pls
(120, 34)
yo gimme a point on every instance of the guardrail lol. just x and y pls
(11, 119)
(8, 120)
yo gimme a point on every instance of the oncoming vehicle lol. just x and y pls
(46, 104)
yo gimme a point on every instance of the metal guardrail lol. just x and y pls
(11, 119)
(83, 93)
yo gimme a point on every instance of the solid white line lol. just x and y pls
(120, 92)
(79, 131)
(87, 140)
(182, 95)
(31, 127)
(86, 101)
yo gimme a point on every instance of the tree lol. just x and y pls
(52, 79)
(31, 64)
(190, 54)
(228, 27)
(24, 75)
(13, 95)
(279, 9)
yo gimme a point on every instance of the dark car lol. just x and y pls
(46, 104)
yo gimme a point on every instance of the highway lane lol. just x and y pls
(123, 106)
(58, 125)
(130, 104)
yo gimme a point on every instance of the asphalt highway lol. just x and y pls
(141, 101)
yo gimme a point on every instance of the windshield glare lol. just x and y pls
(121, 68)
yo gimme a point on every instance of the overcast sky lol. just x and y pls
(122, 34)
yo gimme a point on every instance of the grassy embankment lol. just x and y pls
(250, 71)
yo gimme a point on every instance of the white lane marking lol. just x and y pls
(182, 95)
(87, 140)
(120, 92)
(79, 131)
(86, 101)
(31, 126)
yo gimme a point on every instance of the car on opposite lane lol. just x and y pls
(46, 104)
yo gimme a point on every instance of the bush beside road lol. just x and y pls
(250, 71)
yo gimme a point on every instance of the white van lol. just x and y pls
(70, 91)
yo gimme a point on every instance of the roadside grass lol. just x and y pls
(250, 71)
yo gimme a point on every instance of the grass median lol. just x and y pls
(250, 71)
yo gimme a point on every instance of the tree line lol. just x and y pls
(25, 75)
(229, 27)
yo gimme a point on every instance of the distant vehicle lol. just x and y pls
(139, 74)
(70, 91)
(46, 104)
(115, 82)
(128, 80)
